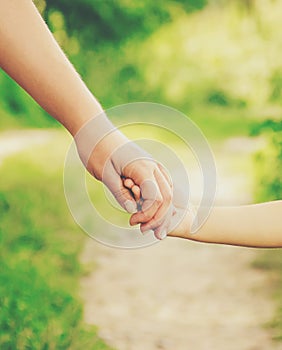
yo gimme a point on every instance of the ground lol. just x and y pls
(184, 295)
(177, 294)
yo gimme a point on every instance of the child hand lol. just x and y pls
(159, 231)
(181, 218)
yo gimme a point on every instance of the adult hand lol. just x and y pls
(109, 156)
(179, 220)
(155, 206)
(31, 56)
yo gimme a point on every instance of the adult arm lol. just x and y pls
(32, 57)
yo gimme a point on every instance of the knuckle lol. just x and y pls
(120, 193)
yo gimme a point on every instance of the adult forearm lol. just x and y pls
(32, 57)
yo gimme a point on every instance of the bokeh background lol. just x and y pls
(217, 61)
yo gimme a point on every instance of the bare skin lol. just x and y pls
(256, 225)
(32, 57)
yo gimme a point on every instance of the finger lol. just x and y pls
(161, 231)
(180, 196)
(136, 192)
(128, 183)
(152, 200)
(154, 215)
(115, 184)
(143, 216)
(165, 173)
(165, 208)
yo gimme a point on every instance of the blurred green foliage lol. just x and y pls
(271, 261)
(114, 21)
(269, 187)
(39, 249)
(219, 61)
(192, 55)
(18, 109)
(100, 22)
(269, 161)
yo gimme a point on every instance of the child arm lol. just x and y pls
(257, 225)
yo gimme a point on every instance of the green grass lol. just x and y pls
(219, 123)
(39, 251)
(269, 187)
(18, 109)
(271, 261)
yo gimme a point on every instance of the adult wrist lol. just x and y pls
(96, 140)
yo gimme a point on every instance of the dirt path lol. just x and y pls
(182, 295)
(175, 295)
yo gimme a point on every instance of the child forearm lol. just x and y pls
(258, 225)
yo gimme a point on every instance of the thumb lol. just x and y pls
(115, 184)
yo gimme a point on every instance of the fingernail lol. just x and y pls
(130, 206)
(162, 234)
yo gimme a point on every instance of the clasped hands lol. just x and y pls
(138, 183)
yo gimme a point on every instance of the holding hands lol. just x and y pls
(176, 221)
(113, 159)
(31, 56)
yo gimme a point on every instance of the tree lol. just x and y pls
(95, 22)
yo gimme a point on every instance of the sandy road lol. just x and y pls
(177, 294)
(181, 295)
